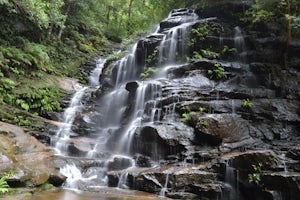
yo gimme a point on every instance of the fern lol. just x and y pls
(4, 187)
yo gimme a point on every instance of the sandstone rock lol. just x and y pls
(32, 161)
(220, 128)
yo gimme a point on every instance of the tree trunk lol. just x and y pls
(70, 4)
(129, 14)
(50, 29)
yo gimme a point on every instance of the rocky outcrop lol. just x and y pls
(30, 162)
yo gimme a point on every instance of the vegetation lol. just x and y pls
(3, 185)
(41, 38)
(149, 72)
(247, 103)
(202, 109)
(255, 177)
(186, 114)
(217, 73)
(282, 14)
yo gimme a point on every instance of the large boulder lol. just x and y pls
(226, 130)
(161, 141)
(32, 162)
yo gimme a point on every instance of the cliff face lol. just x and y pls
(239, 106)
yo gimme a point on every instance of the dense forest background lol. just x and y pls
(44, 38)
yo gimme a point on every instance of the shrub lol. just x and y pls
(256, 175)
(217, 73)
(247, 103)
(149, 72)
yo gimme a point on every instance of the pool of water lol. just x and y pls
(97, 194)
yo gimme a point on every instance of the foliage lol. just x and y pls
(152, 57)
(282, 13)
(209, 54)
(40, 100)
(202, 109)
(247, 103)
(149, 72)
(186, 115)
(3, 185)
(256, 175)
(217, 73)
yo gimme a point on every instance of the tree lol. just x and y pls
(281, 13)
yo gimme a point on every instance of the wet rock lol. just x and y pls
(147, 47)
(244, 160)
(57, 179)
(132, 86)
(261, 68)
(159, 141)
(183, 195)
(183, 182)
(177, 17)
(220, 128)
(119, 163)
(288, 184)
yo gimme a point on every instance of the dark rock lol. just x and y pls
(177, 17)
(160, 140)
(119, 163)
(132, 86)
(287, 183)
(220, 128)
(261, 68)
(57, 179)
(244, 160)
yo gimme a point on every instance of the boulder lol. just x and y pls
(32, 162)
(215, 129)
(161, 141)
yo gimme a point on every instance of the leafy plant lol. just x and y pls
(256, 175)
(217, 73)
(149, 72)
(21, 121)
(209, 54)
(202, 109)
(151, 57)
(197, 55)
(186, 115)
(247, 103)
(226, 49)
(3, 185)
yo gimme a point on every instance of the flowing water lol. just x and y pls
(118, 113)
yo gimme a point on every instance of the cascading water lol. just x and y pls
(63, 137)
(120, 111)
(64, 132)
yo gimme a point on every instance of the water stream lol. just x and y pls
(119, 112)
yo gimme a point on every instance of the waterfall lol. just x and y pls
(63, 137)
(95, 74)
(232, 178)
(174, 44)
(165, 188)
(64, 132)
(119, 112)
(239, 41)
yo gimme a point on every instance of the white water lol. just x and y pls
(64, 133)
(117, 119)
(239, 41)
(165, 188)
(95, 74)
(231, 177)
